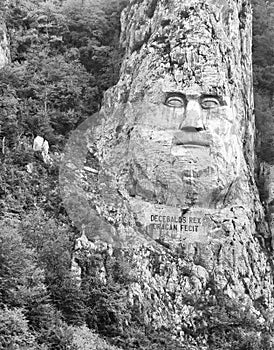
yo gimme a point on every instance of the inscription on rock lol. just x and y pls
(181, 223)
(167, 225)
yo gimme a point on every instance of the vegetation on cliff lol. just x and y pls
(263, 67)
(64, 55)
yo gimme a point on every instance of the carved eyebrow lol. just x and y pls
(175, 94)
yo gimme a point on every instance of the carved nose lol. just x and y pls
(192, 120)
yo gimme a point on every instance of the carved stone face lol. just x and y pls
(184, 149)
(170, 135)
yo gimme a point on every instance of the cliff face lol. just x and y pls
(166, 170)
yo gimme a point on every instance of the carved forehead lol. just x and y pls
(187, 50)
(155, 77)
(186, 43)
(217, 7)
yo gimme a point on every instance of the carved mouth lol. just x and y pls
(191, 139)
(192, 144)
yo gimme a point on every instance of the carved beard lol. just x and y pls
(177, 175)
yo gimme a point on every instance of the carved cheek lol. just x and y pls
(219, 121)
(221, 128)
(161, 117)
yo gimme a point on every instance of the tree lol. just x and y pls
(263, 67)
(14, 330)
(21, 279)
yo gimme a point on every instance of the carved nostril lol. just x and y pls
(192, 118)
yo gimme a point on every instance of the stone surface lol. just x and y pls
(172, 159)
(4, 45)
(42, 145)
(38, 143)
(266, 183)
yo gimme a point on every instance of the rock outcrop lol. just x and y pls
(4, 45)
(172, 154)
(42, 145)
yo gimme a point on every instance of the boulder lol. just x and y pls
(4, 45)
(42, 145)
(38, 143)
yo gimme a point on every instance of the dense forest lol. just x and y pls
(64, 55)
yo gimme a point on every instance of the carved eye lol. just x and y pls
(175, 101)
(210, 102)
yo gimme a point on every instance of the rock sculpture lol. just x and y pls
(173, 157)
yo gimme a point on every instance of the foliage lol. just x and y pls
(263, 67)
(105, 299)
(14, 330)
(46, 96)
(229, 324)
(85, 339)
(64, 55)
(21, 279)
(52, 241)
(23, 291)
